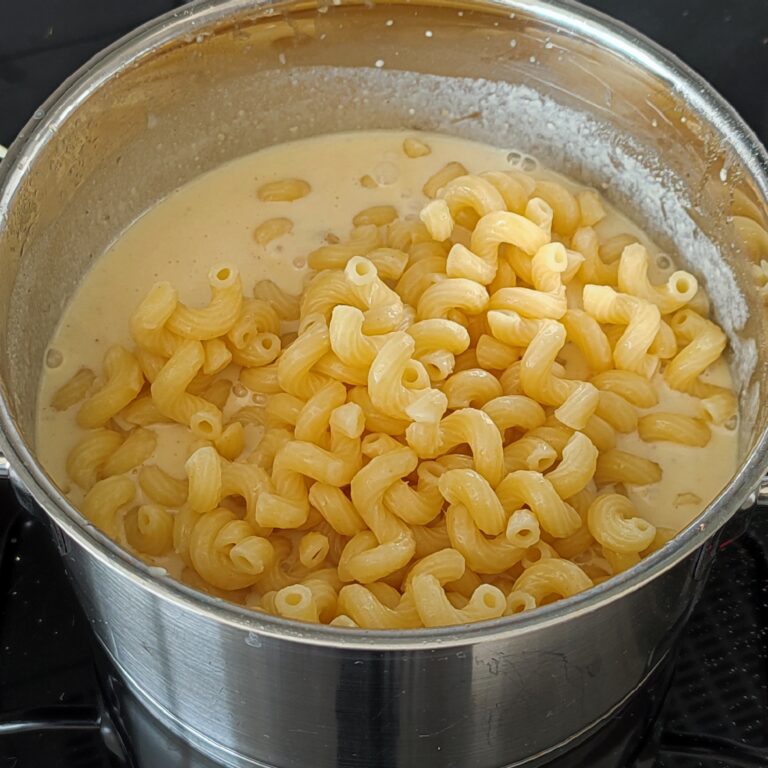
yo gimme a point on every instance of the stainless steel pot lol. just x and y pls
(218, 79)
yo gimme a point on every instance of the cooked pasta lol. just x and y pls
(454, 420)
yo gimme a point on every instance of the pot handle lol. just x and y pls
(761, 494)
(5, 467)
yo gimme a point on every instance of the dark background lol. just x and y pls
(43, 41)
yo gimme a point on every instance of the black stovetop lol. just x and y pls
(716, 714)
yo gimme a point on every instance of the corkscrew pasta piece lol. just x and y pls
(420, 505)
(387, 387)
(679, 289)
(532, 489)
(642, 320)
(566, 211)
(435, 609)
(414, 147)
(149, 529)
(552, 576)
(123, 381)
(515, 188)
(437, 181)
(704, 344)
(271, 229)
(283, 190)
(494, 355)
(219, 316)
(585, 332)
(595, 268)
(366, 610)
(225, 552)
(74, 390)
(86, 461)
(150, 317)
(468, 487)
(633, 387)
(169, 389)
(674, 428)
(613, 523)
(466, 426)
(103, 501)
(590, 208)
(394, 542)
(474, 387)
(159, 486)
(376, 215)
(286, 306)
(364, 239)
(137, 447)
(576, 468)
(488, 555)
(523, 529)
(450, 294)
(617, 466)
(203, 469)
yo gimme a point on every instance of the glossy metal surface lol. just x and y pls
(216, 80)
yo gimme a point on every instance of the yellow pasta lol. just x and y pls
(286, 306)
(642, 320)
(124, 381)
(74, 390)
(525, 487)
(161, 487)
(679, 289)
(425, 436)
(134, 450)
(617, 466)
(225, 551)
(203, 469)
(271, 229)
(474, 387)
(451, 294)
(435, 610)
(704, 343)
(436, 182)
(378, 215)
(566, 211)
(414, 147)
(467, 487)
(86, 461)
(219, 316)
(613, 523)
(104, 501)
(169, 389)
(149, 529)
(283, 190)
(552, 577)
(674, 428)
(590, 208)
(487, 555)
(387, 389)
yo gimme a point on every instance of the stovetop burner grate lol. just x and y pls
(52, 713)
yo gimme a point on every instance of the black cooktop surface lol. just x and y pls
(716, 715)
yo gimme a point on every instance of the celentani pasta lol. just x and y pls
(426, 388)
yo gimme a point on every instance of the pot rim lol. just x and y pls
(592, 25)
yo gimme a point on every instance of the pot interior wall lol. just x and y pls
(249, 79)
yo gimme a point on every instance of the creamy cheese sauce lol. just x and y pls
(212, 220)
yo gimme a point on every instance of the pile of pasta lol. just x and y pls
(404, 445)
